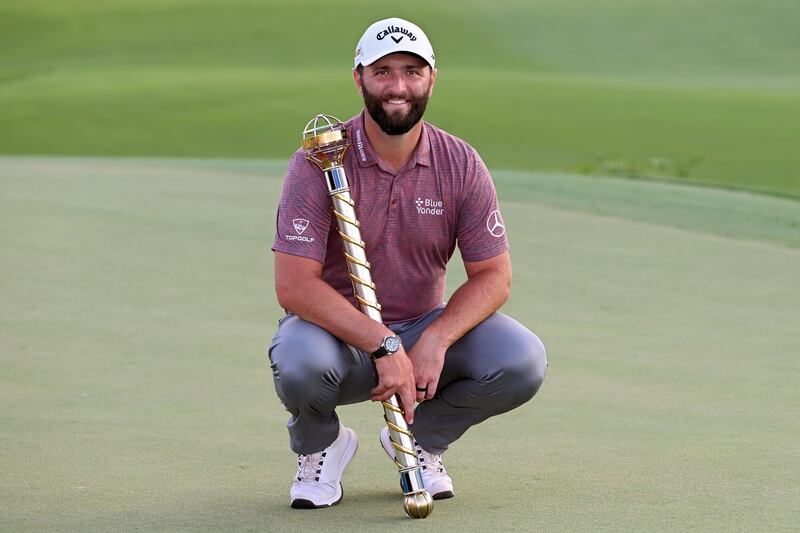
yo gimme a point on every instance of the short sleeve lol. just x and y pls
(480, 231)
(304, 214)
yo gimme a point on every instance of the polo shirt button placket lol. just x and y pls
(393, 194)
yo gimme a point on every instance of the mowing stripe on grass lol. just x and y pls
(135, 391)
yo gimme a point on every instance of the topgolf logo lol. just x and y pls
(300, 225)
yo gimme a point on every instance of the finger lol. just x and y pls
(382, 392)
(381, 397)
(379, 390)
(407, 404)
(432, 387)
(421, 390)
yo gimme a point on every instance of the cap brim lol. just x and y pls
(368, 62)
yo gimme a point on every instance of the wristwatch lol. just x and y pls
(389, 346)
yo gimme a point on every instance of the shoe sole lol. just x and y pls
(302, 503)
(308, 504)
(443, 495)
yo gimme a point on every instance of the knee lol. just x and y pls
(303, 365)
(307, 382)
(526, 373)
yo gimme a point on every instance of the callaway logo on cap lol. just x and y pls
(390, 36)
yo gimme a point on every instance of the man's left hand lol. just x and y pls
(427, 356)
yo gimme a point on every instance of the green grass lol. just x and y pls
(704, 92)
(135, 392)
(136, 292)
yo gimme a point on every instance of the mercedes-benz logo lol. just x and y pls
(495, 224)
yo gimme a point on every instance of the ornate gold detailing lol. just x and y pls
(403, 449)
(347, 219)
(391, 407)
(348, 238)
(398, 428)
(322, 139)
(362, 301)
(362, 281)
(418, 504)
(345, 199)
(356, 261)
(325, 142)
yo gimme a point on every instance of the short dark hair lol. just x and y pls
(360, 68)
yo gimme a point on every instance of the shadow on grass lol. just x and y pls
(360, 510)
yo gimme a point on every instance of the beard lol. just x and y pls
(395, 123)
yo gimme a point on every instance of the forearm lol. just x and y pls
(473, 302)
(317, 302)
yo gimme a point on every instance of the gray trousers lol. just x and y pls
(495, 367)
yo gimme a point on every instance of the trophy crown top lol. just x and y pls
(325, 141)
(322, 124)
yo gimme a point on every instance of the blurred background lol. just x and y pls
(702, 91)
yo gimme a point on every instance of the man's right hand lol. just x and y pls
(396, 376)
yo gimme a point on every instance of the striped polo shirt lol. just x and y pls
(411, 219)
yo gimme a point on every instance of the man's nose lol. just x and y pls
(398, 82)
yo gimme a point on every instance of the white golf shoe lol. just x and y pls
(318, 482)
(434, 475)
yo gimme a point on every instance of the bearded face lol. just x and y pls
(398, 121)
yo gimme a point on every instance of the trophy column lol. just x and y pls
(325, 143)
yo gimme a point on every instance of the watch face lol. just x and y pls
(392, 344)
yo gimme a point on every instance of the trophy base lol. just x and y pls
(418, 504)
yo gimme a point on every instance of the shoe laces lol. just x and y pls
(310, 465)
(430, 460)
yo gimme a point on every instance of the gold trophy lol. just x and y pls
(325, 143)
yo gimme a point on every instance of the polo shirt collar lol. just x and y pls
(367, 157)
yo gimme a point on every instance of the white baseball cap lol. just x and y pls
(393, 35)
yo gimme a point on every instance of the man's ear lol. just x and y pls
(357, 80)
(433, 81)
